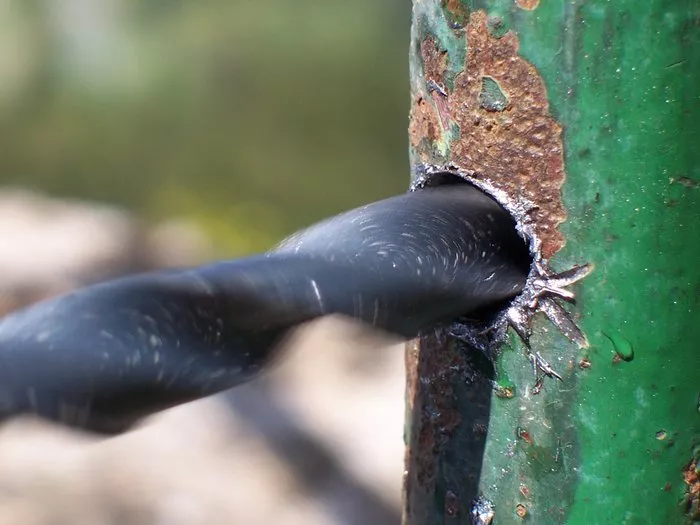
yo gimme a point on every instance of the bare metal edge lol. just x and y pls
(544, 289)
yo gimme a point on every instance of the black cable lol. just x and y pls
(104, 356)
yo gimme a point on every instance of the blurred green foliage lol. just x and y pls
(251, 117)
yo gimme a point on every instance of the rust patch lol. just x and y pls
(441, 381)
(518, 148)
(490, 122)
(691, 476)
(434, 60)
(430, 113)
(687, 182)
(435, 65)
(528, 5)
(432, 404)
(424, 123)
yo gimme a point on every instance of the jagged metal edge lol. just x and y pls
(543, 287)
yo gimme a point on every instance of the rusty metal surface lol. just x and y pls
(481, 110)
(444, 461)
(494, 122)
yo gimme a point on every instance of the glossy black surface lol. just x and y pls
(104, 356)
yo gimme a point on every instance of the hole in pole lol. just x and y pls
(485, 327)
(521, 253)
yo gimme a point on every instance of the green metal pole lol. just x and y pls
(591, 111)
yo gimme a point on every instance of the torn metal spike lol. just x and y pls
(519, 320)
(555, 284)
(562, 320)
(546, 287)
(542, 365)
(542, 268)
(533, 362)
(570, 276)
(573, 274)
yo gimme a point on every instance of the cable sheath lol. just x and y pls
(103, 357)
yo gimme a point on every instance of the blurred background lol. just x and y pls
(137, 134)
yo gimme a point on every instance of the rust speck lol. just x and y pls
(519, 149)
(525, 435)
(521, 510)
(691, 476)
(524, 491)
(584, 364)
(451, 504)
(528, 5)
(504, 392)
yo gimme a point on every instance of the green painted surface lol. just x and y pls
(623, 79)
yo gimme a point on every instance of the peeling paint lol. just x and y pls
(587, 56)
(492, 97)
(507, 135)
(519, 150)
(481, 113)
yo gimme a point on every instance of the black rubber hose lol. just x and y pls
(102, 357)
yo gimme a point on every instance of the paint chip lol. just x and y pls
(492, 97)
